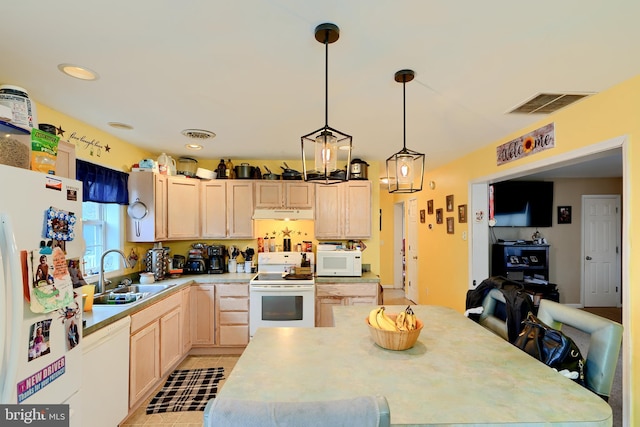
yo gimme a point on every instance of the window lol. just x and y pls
(102, 230)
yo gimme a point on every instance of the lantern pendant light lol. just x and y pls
(326, 148)
(405, 169)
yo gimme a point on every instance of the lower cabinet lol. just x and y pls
(329, 295)
(186, 320)
(233, 314)
(155, 345)
(220, 315)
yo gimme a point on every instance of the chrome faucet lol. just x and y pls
(102, 282)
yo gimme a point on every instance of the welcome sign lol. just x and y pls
(539, 140)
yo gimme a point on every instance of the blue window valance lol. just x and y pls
(102, 185)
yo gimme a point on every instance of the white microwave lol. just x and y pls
(339, 263)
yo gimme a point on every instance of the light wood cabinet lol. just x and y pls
(203, 315)
(343, 210)
(232, 314)
(220, 315)
(172, 206)
(227, 209)
(186, 319)
(329, 295)
(183, 208)
(155, 345)
(279, 194)
(144, 363)
(170, 340)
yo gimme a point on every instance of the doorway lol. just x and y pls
(479, 228)
(398, 246)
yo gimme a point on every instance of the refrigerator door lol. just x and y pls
(47, 367)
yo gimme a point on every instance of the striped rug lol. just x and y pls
(187, 390)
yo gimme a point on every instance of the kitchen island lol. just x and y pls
(458, 373)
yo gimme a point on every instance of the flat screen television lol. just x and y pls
(521, 203)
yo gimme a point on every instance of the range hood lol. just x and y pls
(283, 214)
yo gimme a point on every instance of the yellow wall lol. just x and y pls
(443, 267)
(96, 146)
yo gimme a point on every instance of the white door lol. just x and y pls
(601, 250)
(411, 289)
(398, 246)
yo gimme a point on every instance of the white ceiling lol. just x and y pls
(252, 72)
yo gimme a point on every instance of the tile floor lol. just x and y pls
(194, 418)
(187, 418)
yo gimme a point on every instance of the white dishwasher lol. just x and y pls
(105, 375)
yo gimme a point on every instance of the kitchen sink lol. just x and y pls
(152, 288)
(130, 294)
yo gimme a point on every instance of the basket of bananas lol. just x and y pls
(394, 331)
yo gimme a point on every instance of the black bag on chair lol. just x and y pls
(551, 347)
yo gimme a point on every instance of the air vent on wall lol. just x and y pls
(546, 103)
(198, 133)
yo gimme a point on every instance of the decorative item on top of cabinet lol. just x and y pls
(343, 210)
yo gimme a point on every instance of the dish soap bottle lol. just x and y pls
(230, 171)
(222, 170)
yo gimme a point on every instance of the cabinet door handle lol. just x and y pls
(588, 258)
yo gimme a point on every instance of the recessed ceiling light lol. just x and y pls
(119, 125)
(78, 72)
(194, 146)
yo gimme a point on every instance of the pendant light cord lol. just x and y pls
(326, 79)
(404, 113)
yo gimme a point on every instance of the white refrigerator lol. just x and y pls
(41, 246)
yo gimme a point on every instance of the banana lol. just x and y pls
(384, 321)
(401, 321)
(410, 318)
(373, 317)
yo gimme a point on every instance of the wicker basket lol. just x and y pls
(395, 340)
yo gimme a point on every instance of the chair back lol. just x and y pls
(488, 318)
(604, 344)
(363, 411)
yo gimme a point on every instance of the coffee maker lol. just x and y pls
(216, 263)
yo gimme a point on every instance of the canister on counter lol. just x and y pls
(260, 244)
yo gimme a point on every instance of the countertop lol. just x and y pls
(458, 373)
(103, 315)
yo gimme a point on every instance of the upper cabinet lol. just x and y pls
(280, 194)
(343, 210)
(227, 209)
(162, 208)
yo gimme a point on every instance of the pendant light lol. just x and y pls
(405, 169)
(326, 148)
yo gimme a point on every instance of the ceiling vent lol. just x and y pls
(198, 134)
(547, 103)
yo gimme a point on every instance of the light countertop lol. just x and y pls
(103, 315)
(458, 373)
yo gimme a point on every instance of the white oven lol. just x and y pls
(280, 299)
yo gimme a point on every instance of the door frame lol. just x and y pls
(481, 229)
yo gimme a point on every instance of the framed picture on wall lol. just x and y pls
(422, 216)
(439, 215)
(450, 203)
(462, 213)
(430, 207)
(564, 214)
(450, 225)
